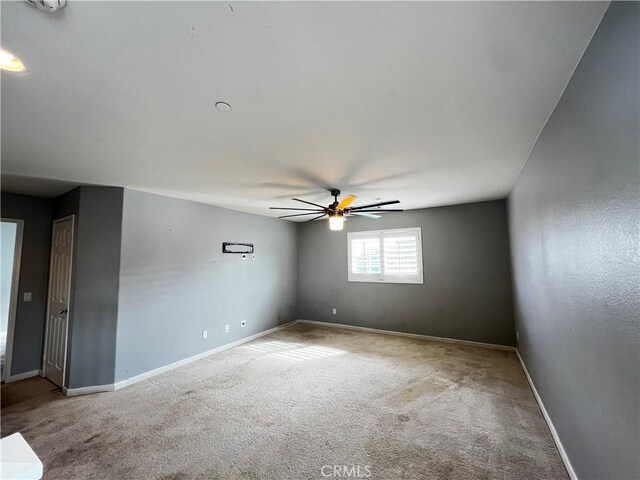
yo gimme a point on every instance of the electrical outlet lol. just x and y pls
(253, 256)
(335, 311)
(226, 329)
(243, 323)
(27, 296)
(204, 334)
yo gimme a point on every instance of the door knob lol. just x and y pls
(63, 311)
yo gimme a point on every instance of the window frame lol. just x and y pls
(417, 279)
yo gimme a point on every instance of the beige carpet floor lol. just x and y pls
(291, 403)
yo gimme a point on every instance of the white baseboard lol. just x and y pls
(410, 335)
(166, 368)
(552, 429)
(72, 392)
(186, 361)
(22, 376)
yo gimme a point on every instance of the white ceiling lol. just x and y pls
(431, 103)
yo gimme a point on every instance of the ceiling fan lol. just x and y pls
(338, 210)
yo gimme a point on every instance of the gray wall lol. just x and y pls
(93, 308)
(574, 231)
(96, 277)
(34, 274)
(467, 283)
(175, 282)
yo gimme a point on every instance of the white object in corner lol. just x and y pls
(17, 460)
(547, 418)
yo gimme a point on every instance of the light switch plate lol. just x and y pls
(204, 334)
(243, 323)
(335, 311)
(27, 296)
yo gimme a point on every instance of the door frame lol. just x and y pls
(43, 372)
(13, 298)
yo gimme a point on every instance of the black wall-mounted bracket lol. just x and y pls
(229, 247)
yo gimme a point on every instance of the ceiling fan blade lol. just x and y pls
(375, 210)
(364, 214)
(316, 218)
(300, 209)
(379, 204)
(310, 203)
(300, 215)
(346, 201)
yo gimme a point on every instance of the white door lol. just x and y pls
(55, 346)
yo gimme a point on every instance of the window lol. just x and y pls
(385, 256)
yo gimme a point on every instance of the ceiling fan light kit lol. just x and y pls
(336, 222)
(338, 210)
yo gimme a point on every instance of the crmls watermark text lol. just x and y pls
(346, 471)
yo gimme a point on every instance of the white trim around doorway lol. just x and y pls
(13, 299)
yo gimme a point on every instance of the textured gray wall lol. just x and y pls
(93, 308)
(467, 281)
(175, 282)
(34, 274)
(96, 276)
(574, 231)
(67, 204)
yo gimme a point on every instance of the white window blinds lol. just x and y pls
(391, 256)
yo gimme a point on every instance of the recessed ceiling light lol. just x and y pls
(8, 61)
(223, 106)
